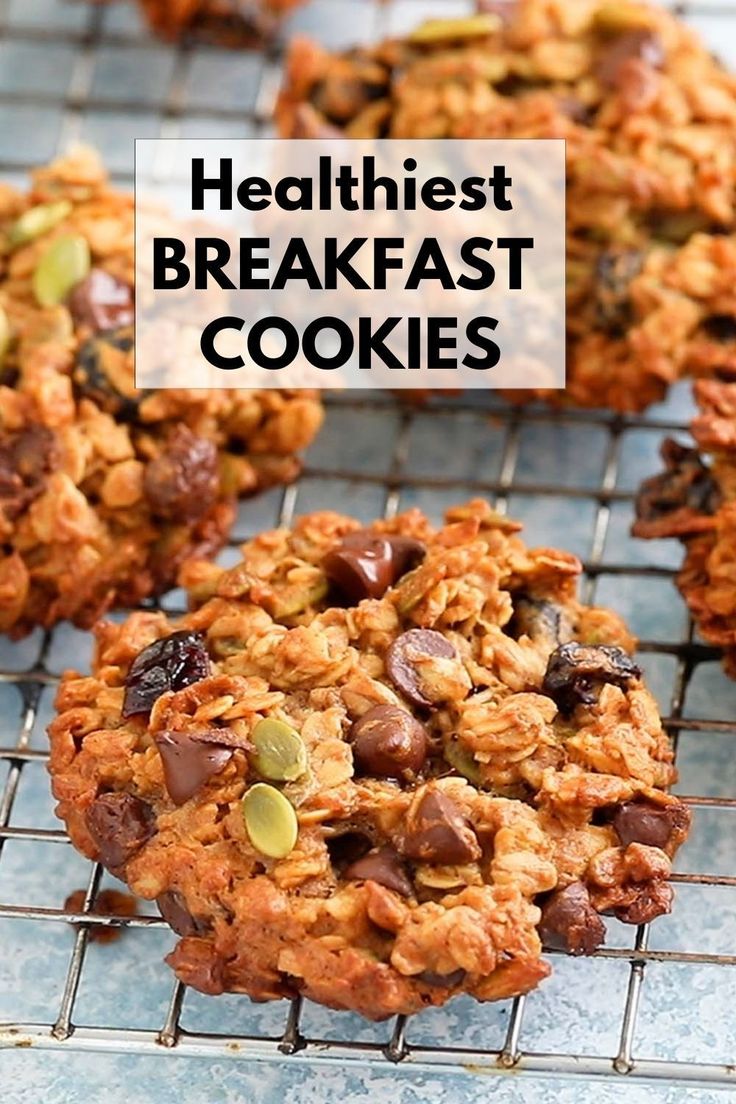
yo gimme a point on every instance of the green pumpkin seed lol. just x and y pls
(64, 264)
(462, 760)
(279, 753)
(442, 30)
(270, 821)
(37, 221)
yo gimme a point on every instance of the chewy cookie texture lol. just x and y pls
(694, 498)
(376, 766)
(223, 22)
(104, 490)
(649, 118)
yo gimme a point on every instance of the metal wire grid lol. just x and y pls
(59, 1030)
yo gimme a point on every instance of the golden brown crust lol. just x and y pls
(648, 117)
(106, 491)
(536, 747)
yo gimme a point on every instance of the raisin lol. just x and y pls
(104, 373)
(542, 621)
(26, 457)
(183, 481)
(685, 484)
(171, 663)
(721, 327)
(575, 673)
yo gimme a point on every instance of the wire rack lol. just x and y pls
(81, 94)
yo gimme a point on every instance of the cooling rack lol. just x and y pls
(71, 71)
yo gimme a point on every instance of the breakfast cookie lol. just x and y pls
(221, 22)
(649, 119)
(694, 498)
(104, 490)
(376, 766)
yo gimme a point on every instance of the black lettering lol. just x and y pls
(255, 339)
(438, 186)
(340, 262)
(436, 341)
(500, 182)
(222, 184)
(382, 262)
(254, 193)
(249, 263)
(206, 265)
(296, 264)
(371, 183)
(169, 253)
(481, 341)
(515, 246)
(303, 186)
(484, 268)
(370, 342)
(473, 188)
(309, 343)
(207, 343)
(430, 264)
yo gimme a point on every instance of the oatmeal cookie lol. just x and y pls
(105, 490)
(376, 766)
(649, 118)
(694, 498)
(222, 22)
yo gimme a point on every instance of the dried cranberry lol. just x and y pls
(171, 663)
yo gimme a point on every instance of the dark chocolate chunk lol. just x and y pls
(652, 825)
(170, 663)
(119, 825)
(382, 865)
(576, 672)
(570, 923)
(176, 914)
(366, 564)
(102, 302)
(183, 481)
(438, 832)
(388, 742)
(188, 763)
(403, 655)
(721, 327)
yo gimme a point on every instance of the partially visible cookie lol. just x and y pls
(104, 490)
(378, 766)
(649, 120)
(694, 498)
(222, 22)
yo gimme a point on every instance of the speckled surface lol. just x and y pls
(686, 1011)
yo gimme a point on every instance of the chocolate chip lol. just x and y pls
(441, 981)
(685, 484)
(542, 621)
(652, 900)
(438, 832)
(171, 663)
(183, 481)
(26, 458)
(614, 271)
(102, 302)
(366, 564)
(174, 911)
(404, 656)
(576, 672)
(103, 373)
(382, 865)
(119, 825)
(188, 763)
(349, 840)
(388, 742)
(637, 45)
(570, 923)
(721, 327)
(652, 825)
